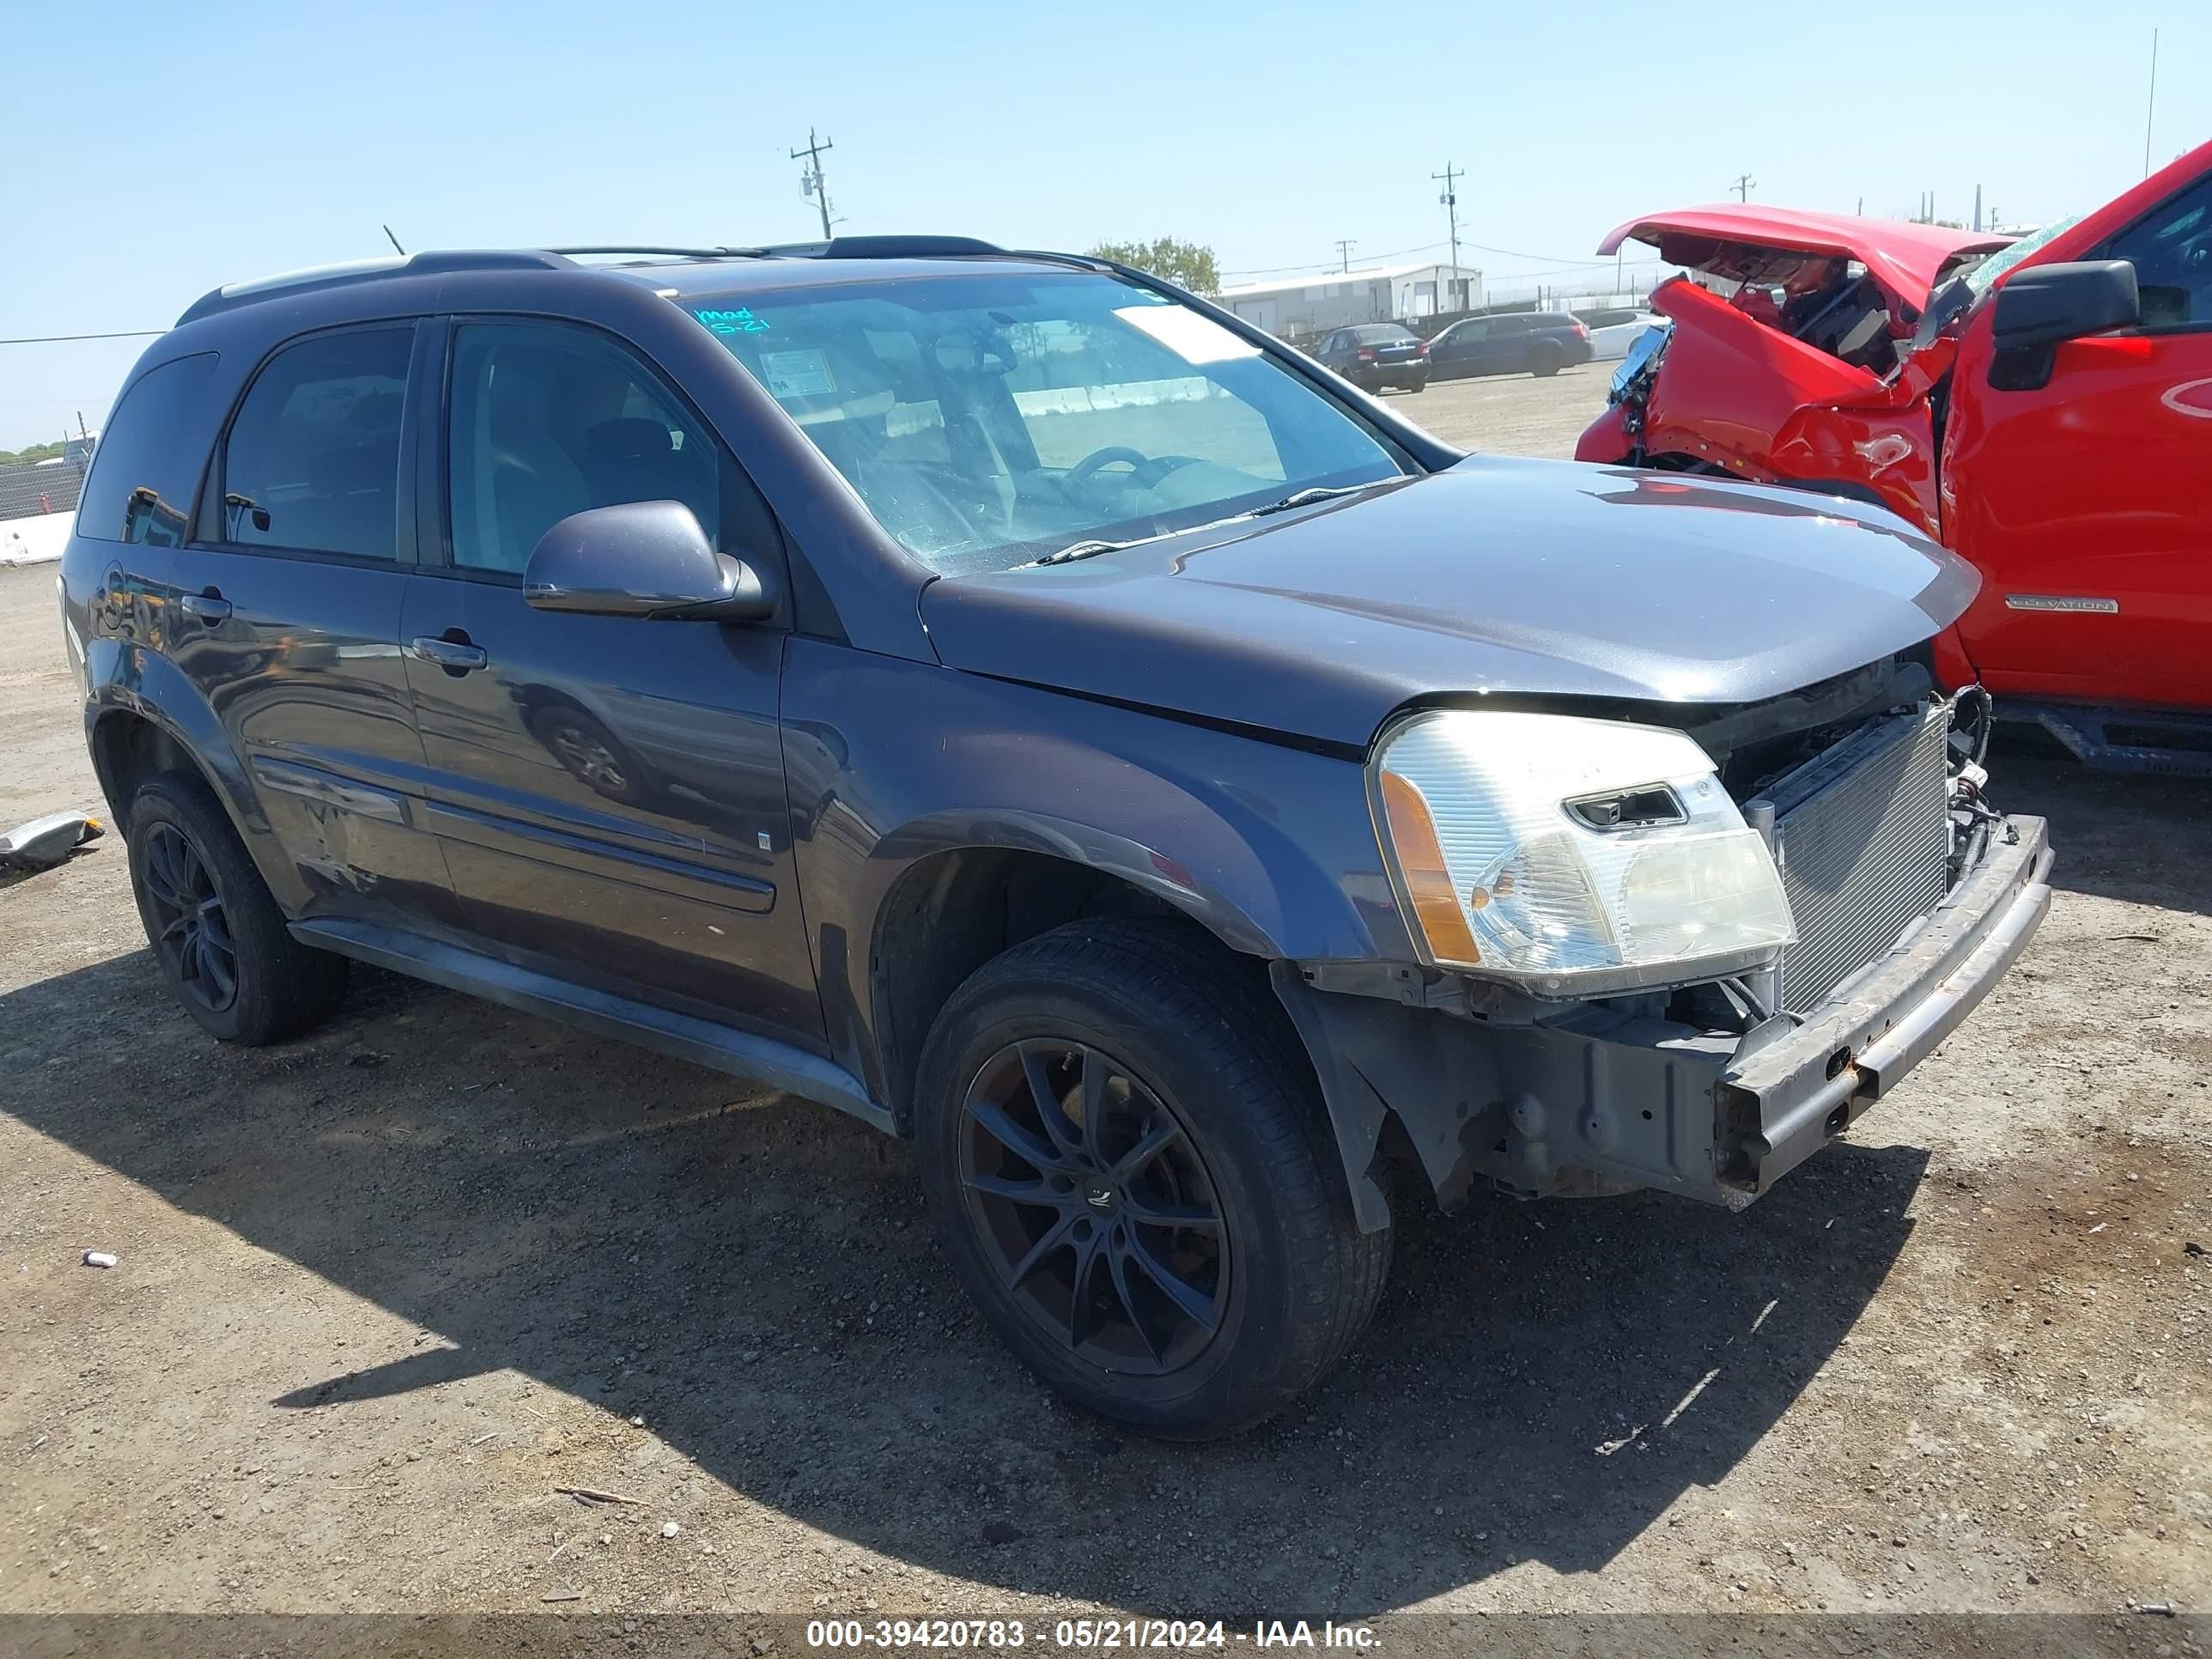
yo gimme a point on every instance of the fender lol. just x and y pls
(1139, 797)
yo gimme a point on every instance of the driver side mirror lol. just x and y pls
(2043, 305)
(648, 559)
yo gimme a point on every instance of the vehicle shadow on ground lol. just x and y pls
(756, 1278)
(2135, 837)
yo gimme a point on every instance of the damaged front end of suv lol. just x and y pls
(1670, 954)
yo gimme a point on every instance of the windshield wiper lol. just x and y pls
(1075, 550)
(1308, 497)
(1085, 549)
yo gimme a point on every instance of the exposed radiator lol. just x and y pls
(1862, 839)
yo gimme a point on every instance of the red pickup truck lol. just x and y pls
(2043, 406)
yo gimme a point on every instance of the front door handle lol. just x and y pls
(454, 656)
(210, 607)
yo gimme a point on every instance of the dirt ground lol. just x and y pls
(383, 1291)
(1510, 414)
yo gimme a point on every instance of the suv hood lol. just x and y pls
(1904, 259)
(1527, 579)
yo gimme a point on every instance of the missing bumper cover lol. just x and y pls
(1585, 1098)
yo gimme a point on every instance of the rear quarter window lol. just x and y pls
(147, 468)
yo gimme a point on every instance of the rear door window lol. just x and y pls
(311, 463)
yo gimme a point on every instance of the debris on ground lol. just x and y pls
(593, 1495)
(100, 1258)
(45, 841)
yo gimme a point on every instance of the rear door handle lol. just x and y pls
(454, 656)
(209, 608)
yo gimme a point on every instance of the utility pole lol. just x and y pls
(1344, 247)
(1978, 208)
(1451, 200)
(1744, 184)
(2150, 107)
(811, 182)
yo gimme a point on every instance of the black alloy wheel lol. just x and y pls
(1128, 1163)
(216, 930)
(1093, 1204)
(190, 927)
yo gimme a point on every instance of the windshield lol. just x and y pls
(1384, 334)
(1981, 276)
(988, 419)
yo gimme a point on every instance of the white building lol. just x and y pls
(1379, 294)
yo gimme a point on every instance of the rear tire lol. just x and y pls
(1546, 361)
(1187, 1328)
(216, 930)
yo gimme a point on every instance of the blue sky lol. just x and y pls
(177, 153)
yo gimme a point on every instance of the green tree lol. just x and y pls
(34, 452)
(1184, 264)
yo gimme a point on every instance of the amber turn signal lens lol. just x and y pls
(1421, 865)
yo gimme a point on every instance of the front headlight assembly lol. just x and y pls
(1572, 857)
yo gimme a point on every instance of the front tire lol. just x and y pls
(1126, 1158)
(216, 930)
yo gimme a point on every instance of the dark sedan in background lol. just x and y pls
(1373, 356)
(1514, 343)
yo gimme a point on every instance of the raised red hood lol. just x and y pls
(1904, 259)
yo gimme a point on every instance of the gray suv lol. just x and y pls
(1010, 700)
(1538, 343)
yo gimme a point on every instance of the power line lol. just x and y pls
(1275, 270)
(1565, 261)
(55, 339)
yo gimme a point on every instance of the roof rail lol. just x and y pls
(286, 283)
(670, 252)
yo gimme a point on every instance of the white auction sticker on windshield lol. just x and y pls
(1193, 336)
(796, 375)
